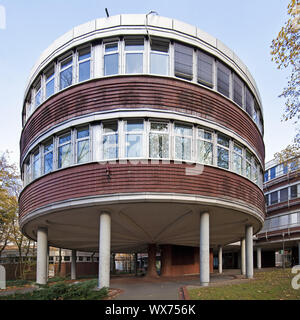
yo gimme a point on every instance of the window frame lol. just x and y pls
(62, 69)
(191, 137)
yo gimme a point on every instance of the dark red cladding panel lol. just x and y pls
(137, 92)
(92, 180)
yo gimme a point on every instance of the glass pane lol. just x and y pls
(223, 79)
(84, 54)
(64, 156)
(204, 134)
(159, 145)
(36, 166)
(84, 71)
(65, 138)
(83, 133)
(223, 141)
(49, 88)
(223, 158)
(205, 152)
(159, 63)
(133, 145)
(157, 126)
(205, 68)
(134, 63)
(38, 98)
(183, 61)
(249, 102)
(110, 146)
(238, 149)
(159, 45)
(49, 74)
(183, 147)
(83, 149)
(111, 64)
(237, 163)
(66, 62)
(48, 147)
(238, 90)
(183, 130)
(133, 125)
(134, 45)
(110, 127)
(48, 162)
(248, 170)
(66, 78)
(111, 47)
(283, 194)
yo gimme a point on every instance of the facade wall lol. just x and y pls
(92, 180)
(138, 92)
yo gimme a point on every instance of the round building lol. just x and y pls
(142, 133)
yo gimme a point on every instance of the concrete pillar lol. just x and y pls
(204, 249)
(104, 250)
(220, 259)
(73, 265)
(243, 256)
(258, 253)
(249, 251)
(299, 253)
(151, 270)
(42, 256)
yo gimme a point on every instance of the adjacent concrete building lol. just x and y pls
(281, 231)
(142, 133)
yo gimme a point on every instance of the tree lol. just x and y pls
(9, 189)
(286, 54)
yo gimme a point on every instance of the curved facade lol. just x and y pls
(281, 231)
(151, 122)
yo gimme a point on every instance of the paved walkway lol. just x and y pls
(143, 288)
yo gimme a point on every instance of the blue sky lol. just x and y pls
(247, 27)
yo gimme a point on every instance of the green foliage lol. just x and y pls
(63, 291)
(285, 53)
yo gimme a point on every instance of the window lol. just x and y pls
(205, 69)
(223, 151)
(238, 90)
(267, 199)
(255, 172)
(110, 140)
(183, 61)
(183, 142)
(237, 158)
(223, 79)
(266, 176)
(272, 173)
(66, 72)
(294, 218)
(64, 150)
(67, 258)
(27, 171)
(248, 165)
(134, 138)
(159, 140)
(48, 157)
(38, 94)
(274, 197)
(204, 147)
(294, 192)
(283, 194)
(84, 64)
(49, 76)
(111, 58)
(36, 164)
(83, 145)
(283, 220)
(134, 49)
(159, 57)
(249, 103)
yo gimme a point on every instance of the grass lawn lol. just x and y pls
(266, 285)
(62, 290)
